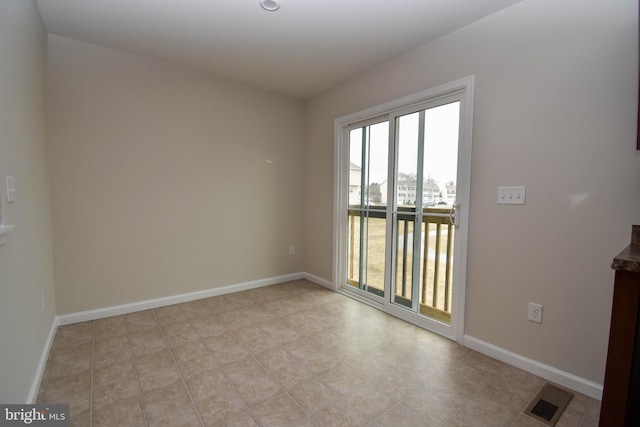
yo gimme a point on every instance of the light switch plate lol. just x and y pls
(511, 195)
(11, 189)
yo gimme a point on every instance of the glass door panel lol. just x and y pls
(368, 159)
(440, 161)
(407, 199)
(425, 176)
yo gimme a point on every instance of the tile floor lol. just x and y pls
(293, 354)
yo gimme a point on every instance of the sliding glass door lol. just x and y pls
(403, 191)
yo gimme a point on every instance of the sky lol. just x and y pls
(441, 145)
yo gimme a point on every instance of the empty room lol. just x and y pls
(305, 213)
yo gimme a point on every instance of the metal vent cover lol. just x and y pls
(548, 404)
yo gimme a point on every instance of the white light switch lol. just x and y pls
(11, 189)
(511, 195)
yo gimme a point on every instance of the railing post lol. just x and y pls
(436, 266)
(351, 243)
(425, 259)
(404, 258)
(447, 281)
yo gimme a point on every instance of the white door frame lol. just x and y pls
(463, 87)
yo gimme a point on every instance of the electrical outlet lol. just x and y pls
(292, 250)
(535, 312)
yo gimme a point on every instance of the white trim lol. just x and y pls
(340, 204)
(319, 281)
(37, 378)
(565, 379)
(462, 84)
(463, 90)
(364, 300)
(463, 200)
(550, 373)
(101, 313)
(439, 328)
(117, 310)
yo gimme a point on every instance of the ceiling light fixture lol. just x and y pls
(270, 5)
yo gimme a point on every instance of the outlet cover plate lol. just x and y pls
(535, 312)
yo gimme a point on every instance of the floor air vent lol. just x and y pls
(549, 404)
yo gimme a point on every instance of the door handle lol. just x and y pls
(454, 215)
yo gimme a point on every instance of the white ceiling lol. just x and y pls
(306, 47)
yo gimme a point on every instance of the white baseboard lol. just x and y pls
(101, 313)
(562, 378)
(37, 378)
(565, 379)
(319, 281)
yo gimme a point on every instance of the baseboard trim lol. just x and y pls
(101, 313)
(37, 378)
(319, 281)
(565, 379)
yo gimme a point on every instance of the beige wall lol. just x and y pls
(555, 110)
(159, 180)
(26, 266)
(160, 184)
